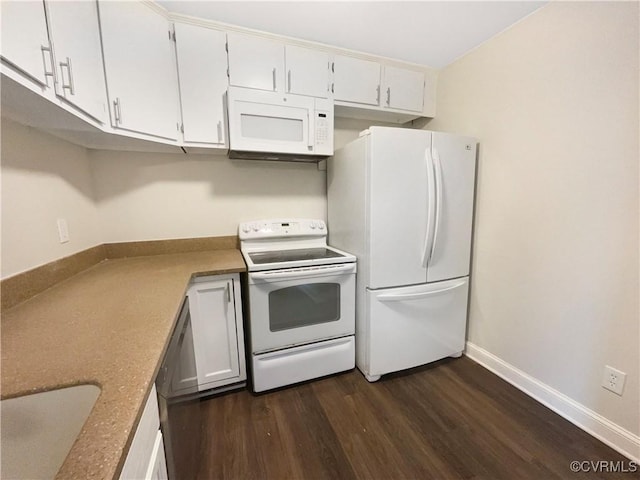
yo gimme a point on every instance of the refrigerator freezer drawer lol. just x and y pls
(415, 325)
(297, 364)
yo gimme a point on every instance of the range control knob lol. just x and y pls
(255, 227)
(321, 225)
(312, 225)
(246, 228)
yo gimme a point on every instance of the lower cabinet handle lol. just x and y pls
(388, 96)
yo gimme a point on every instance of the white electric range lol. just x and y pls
(301, 302)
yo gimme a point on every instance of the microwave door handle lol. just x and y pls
(310, 130)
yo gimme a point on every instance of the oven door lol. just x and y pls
(301, 305)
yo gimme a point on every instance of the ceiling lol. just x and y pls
(425, 32)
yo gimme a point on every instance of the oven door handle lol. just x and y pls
(303, 272)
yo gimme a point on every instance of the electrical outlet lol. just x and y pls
(63, 230)
(613, 379)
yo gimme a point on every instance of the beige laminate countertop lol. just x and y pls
(107, 326)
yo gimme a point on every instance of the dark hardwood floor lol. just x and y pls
(449, 420)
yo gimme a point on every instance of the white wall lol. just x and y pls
(145, 196)
(120, 196)
(554, 104)
(43, 179)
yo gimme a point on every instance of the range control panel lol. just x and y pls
(279, 228)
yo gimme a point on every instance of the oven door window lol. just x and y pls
(303, 305)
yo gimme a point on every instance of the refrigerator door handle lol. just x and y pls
(437, 165)
(431, 200)
(392, 297)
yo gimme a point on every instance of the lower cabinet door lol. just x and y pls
(218, 340)
(157, 469)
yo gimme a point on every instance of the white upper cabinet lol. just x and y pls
(403, 89)
(356, 80)
(25, 41)
(140, 67)
(262, 64)
(76, 43)
(202, 75)
(307, 71)
(255, 62)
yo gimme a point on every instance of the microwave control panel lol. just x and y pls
(323, 142)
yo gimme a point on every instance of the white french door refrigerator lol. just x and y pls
(402, 200)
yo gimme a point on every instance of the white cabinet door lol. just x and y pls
(255, 62)
(403, 89)
(356, 80)
(216, 332)
(157, 463)
(75, 36)
(307, 71)
(25, 42)
(202, 74)
(140, 454)
(186, 375)
(140, 68)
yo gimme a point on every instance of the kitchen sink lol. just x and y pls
(38, 430)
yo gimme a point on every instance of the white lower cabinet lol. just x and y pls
(157, 469)
(146, 459)
(218, 337)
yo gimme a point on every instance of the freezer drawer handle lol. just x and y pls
(390, 297)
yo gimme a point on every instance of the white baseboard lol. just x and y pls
(625, 442)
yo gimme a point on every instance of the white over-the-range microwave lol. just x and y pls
(277, 126)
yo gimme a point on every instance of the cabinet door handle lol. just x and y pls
(388, 96)
(378, 94)
(273, 73)
(70, 86)
(289, 81)
(229, 292)
(46, 52)
(116, 111)
(219, 131)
